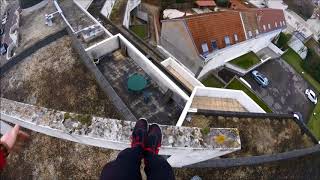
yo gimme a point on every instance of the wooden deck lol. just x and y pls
(218, 104)
(180, 78)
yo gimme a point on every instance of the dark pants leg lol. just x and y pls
(157, 168)
(126, 166)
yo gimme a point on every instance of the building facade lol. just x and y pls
(194, 40)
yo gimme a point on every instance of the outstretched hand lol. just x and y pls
(14, 138)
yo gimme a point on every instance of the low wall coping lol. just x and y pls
(114, 133)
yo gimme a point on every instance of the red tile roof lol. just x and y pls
(266, 16)
(205, 3)
(216, 26)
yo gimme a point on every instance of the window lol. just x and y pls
(264, 27)
(214, 45)
(250, 34)
(236, 38)
(269, 26)
(257, 32)
(227, 40)
(276, 24)
(205, 49)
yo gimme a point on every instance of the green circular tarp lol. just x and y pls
(136, 82)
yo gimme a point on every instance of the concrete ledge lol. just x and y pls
(178, 142)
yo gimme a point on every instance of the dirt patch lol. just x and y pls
(54, 77)
(45, 157)
(33, 27)
(259, 136)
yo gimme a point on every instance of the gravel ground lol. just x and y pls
(33, 27)
(45, 157)
(54, 77)
(58, 80)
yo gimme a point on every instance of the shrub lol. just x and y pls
(312, 64)
(283, 41)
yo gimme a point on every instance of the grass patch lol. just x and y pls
(205, 131)
(238, 85)
(246, 61)
(84, 119)
(295, 61)
(140, 30)
(212, 81)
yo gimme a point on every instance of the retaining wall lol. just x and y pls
(131, 4)
(107, 8)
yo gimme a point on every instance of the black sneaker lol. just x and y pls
(154, 139)
(139, 133)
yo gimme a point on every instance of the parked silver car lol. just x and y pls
(260, 78)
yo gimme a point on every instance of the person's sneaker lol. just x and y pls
(154, 139)
(139, 133)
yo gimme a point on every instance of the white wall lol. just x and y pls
(297, 23)
(107, 8)
(220, 57)
(85, 3)
(275, 49)
(131, 4)
(91, 17)
(104, 47)
(238, 95)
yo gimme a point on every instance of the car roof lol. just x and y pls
(312, 93)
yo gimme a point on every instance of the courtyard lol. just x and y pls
(151, 102)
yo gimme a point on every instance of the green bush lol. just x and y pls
(312, 64)
(283, 40)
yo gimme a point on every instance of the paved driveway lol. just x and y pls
(286, 90)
